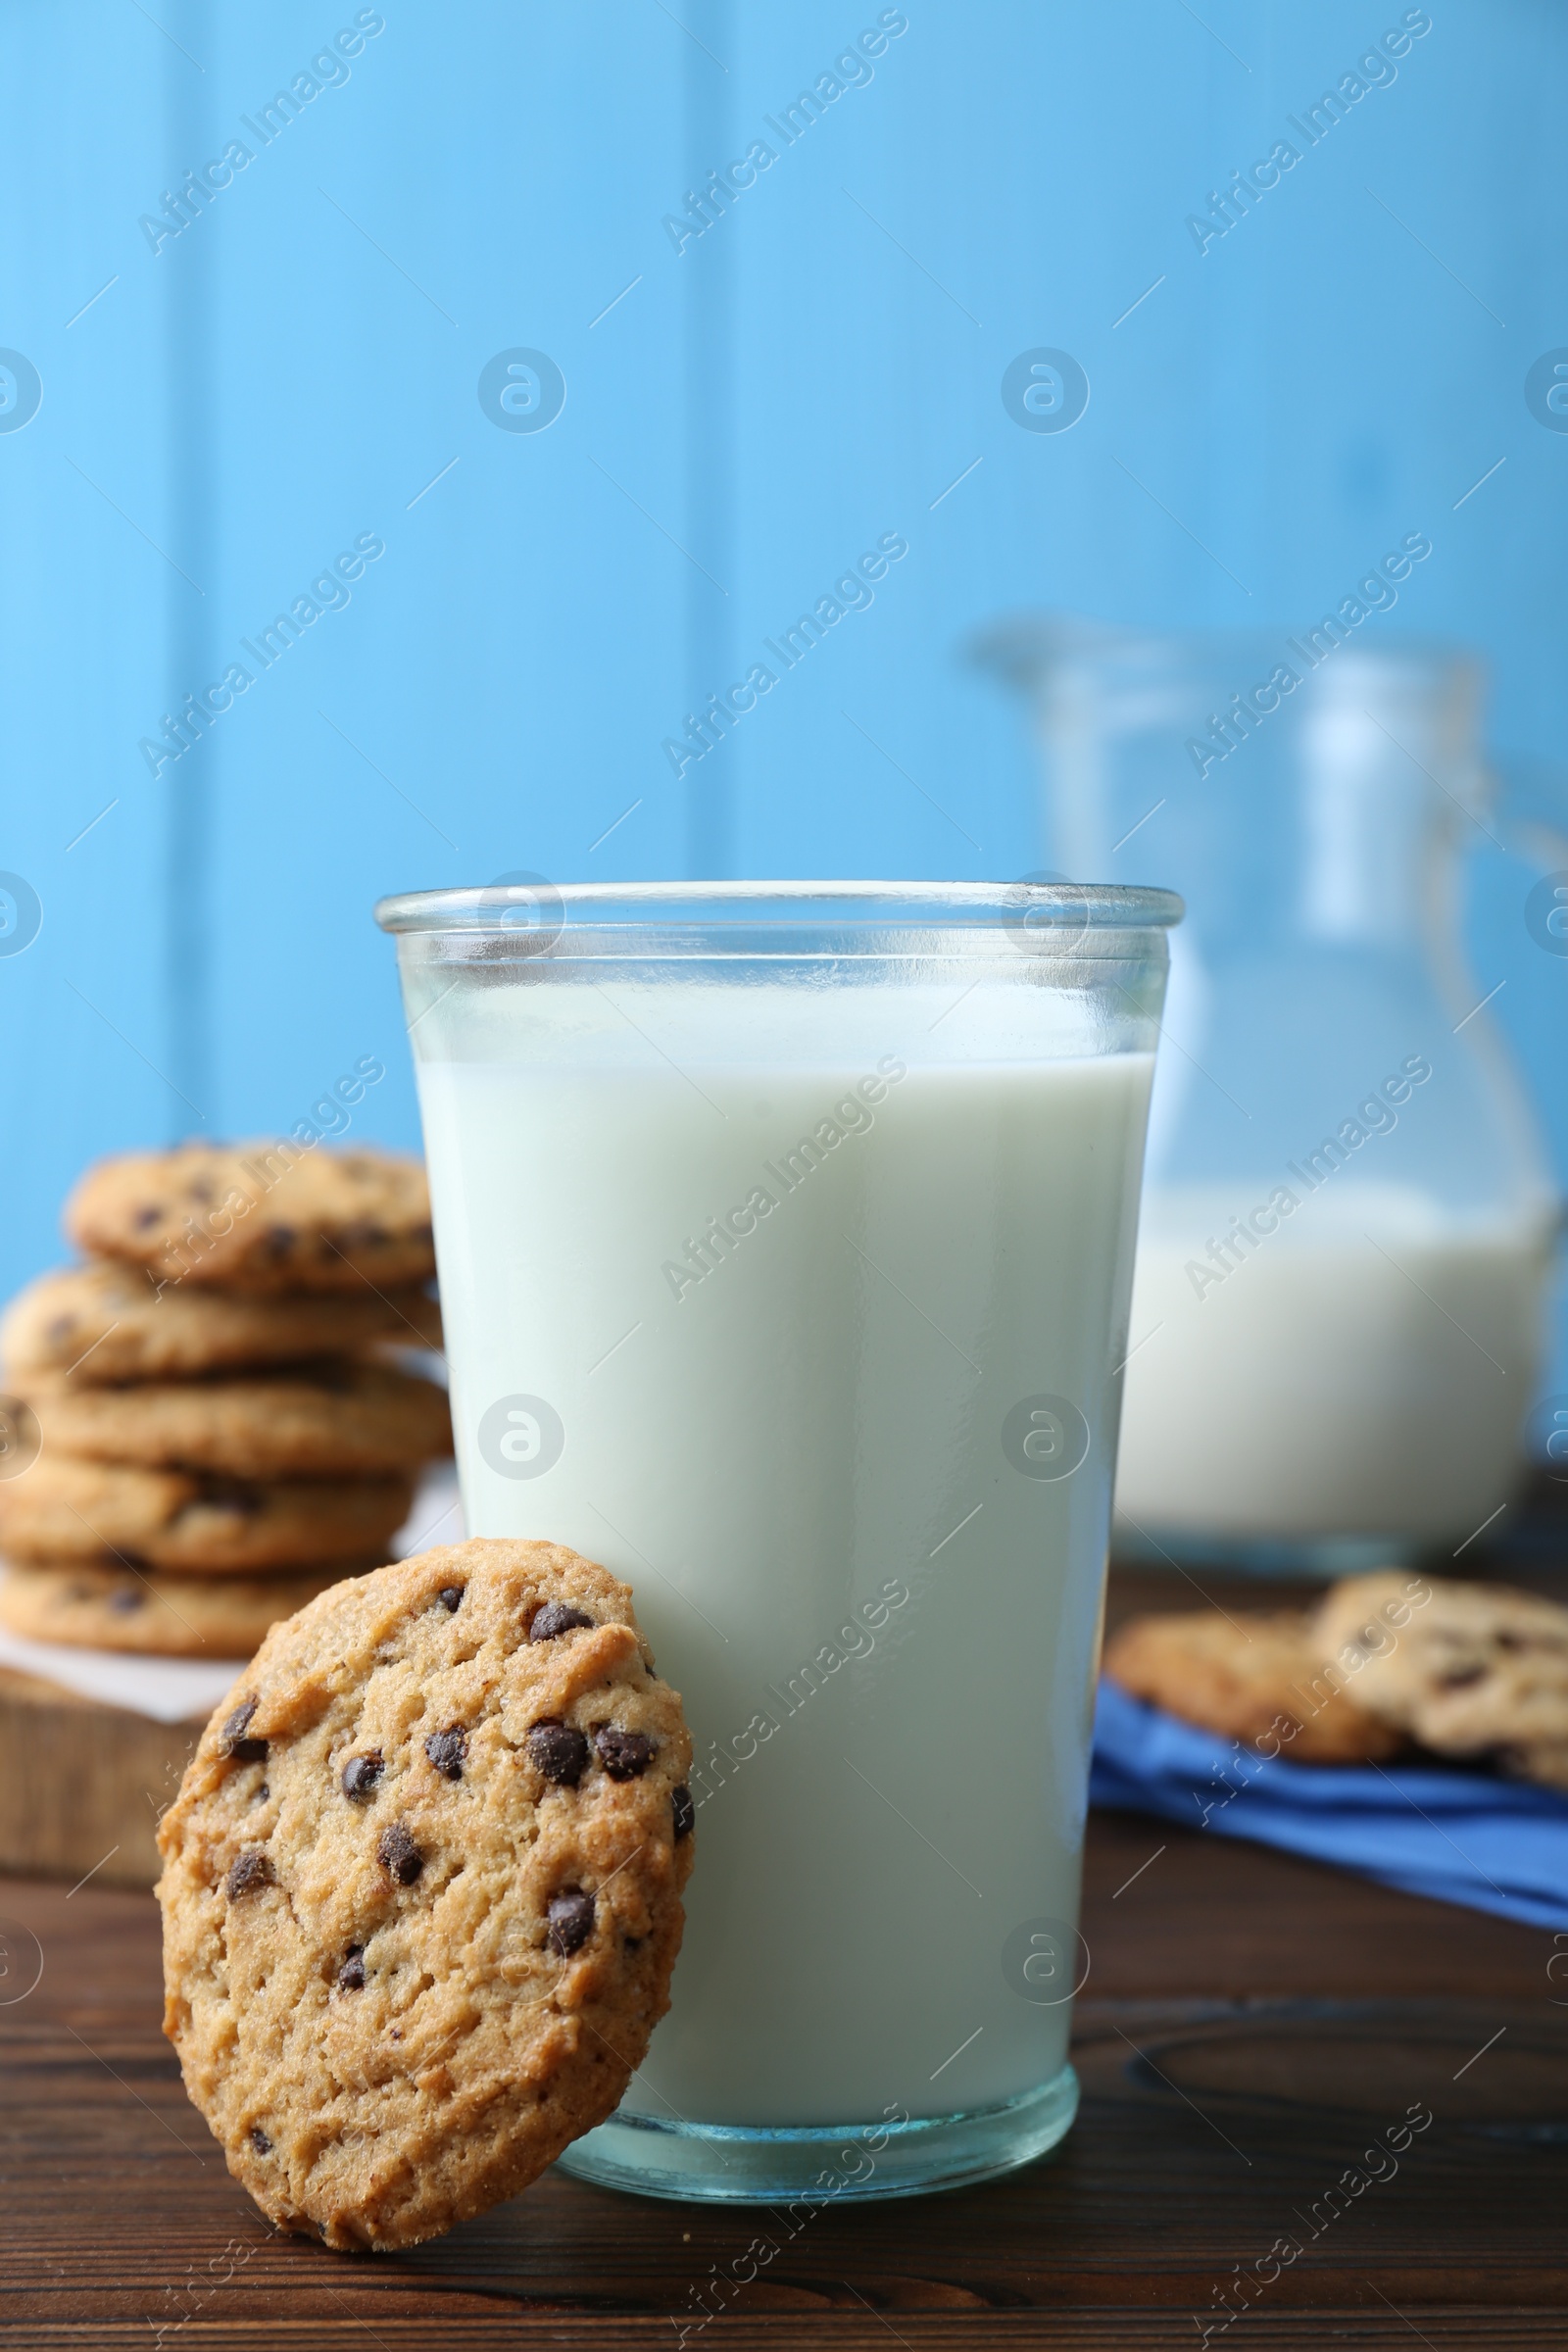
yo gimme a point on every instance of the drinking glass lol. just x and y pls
(785, 1237)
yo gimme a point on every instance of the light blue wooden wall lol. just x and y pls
(300, 366)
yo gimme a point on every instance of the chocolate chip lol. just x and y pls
(560, 1752)
(200, 1187)
(1461, 1677)
(684, 1810)
(232, 1741)
(555, 1619)
(450, 1596)
(571, 1921)
(148, 1216)
(351, 1975)
(361, 1775)
(397, 1855)
(61, 1327)
(278, 1240)
(446, 1751)
(259, 2140)
(624, 1756)
(264, 1791)
(126, 1598)
(248, 1874)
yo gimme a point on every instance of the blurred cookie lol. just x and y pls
(107, 1322)
(1469, 1670)
(260, 1216)
(334, 1421)
(1542, 1760)
(1260, 1679)
(69, 1508)
(170, 1616)
(421, 1889)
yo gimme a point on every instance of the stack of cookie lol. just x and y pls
(220, 1426)
(1387, 1663)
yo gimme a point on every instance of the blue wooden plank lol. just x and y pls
(469, 710)
(747, 411)
(88, 592)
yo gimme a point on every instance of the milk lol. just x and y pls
(1365, 1368)
(768, 1386)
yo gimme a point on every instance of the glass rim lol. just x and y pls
(881, 906)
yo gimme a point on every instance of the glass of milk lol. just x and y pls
(785, 1235)
(1348, 1223)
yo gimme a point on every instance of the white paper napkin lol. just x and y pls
(169, 1689)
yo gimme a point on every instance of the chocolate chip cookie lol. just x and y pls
(265, 1216)
(1260, 1679)
(105, 1322)
(169, 1616)
(324, 1421)
(421, 1889)
(1469, 1670)
(66, 1507)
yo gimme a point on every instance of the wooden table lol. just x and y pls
(1251, 2023)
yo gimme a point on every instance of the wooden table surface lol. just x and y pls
(1250, 2025)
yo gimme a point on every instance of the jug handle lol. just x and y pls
(1529, 798)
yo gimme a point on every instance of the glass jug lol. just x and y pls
(1349, 1221)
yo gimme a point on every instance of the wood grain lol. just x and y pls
(1251, 2022)
(82, 1785)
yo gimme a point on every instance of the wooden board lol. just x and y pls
(82, 1785)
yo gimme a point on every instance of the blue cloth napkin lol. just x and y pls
(1462, 1837)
